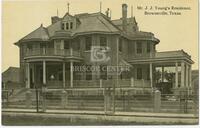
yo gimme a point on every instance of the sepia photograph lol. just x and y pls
(99, 63)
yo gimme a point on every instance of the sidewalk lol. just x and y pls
(138, 114)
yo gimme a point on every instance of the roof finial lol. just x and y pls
(100, 6)
(110, 13)
(131, 10)
(68, 7)
(57, 13)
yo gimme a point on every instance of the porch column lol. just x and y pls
(63, 74)
(71, 74)
(33, 73)
(186, 79)
(151, 75)
(28, 76)
(44, 72)
(182, 74)
(176, 75)
(163, 70)
(190, 76)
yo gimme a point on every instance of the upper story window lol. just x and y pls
(71, 25)
(148, 47)
(29, 46)
(103, 41)
(154, 47)
(42, 45)
(78, 44)
(88, 43)
(120, 45)
(139, 47)
(139, 73)
(67, 26)
(63, 26)
(66, 44)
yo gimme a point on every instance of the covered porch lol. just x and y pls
(177, 63)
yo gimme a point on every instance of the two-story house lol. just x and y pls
(49, 55)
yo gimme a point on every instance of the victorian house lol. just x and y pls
(48, 55)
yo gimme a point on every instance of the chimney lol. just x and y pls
(54, 19)
(124, 16)
(107, 12)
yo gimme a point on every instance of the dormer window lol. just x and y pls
(71, 25)
(63, 26)
(67, 26)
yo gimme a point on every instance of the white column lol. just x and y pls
(33, 73)
(44, 72)
(190, 76)
(28, 76)
(176, 75)
(132, 81)
(151, 75)
(163, 70)
(187, 77)
(71, 74)
(63, 74)
(182, 74)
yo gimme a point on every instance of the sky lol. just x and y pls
(20, 17)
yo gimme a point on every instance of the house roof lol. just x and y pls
(95, 22)
(40, 34)
(11, 69)
(11, 72)
(166, 56)
(130, 20)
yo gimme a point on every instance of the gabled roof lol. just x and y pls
(95, 22)
(11, 69)
(130, 20)
(40, 34)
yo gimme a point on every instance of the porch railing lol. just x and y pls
(52, 52)
(107, 83)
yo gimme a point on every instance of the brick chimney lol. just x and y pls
(124, 16)
(54, 19)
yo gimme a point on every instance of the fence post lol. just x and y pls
(107, 100)
(64, 99)
(132, 81)
(157, 101)
(100, 83)
(44, 99)
(28, 99)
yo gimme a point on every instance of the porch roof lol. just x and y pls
(164, 57)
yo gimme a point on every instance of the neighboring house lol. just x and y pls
(48, 55)
(195, 81)
(11, 78)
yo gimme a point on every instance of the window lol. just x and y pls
(139, 73)
(71, 25)
(66, 44)
(120, 45)
(139, 47)
(67, 26)
(103, 41)
(88, 43)
(29, 47)
(154, 47)
(63, 26)
(103, 72)
(78, 44)
(42, 45)
(88, 72)
(148, 47)
(148, 73)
